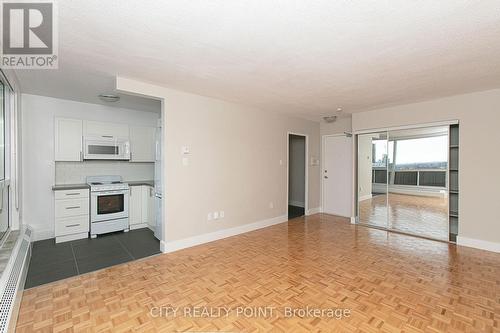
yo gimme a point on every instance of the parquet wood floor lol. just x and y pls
(391, 283)
(420, 215)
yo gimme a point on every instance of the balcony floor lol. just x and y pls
(419, 215)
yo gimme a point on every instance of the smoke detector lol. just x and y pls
(110, 98)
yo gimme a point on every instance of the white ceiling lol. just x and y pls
(301, 57)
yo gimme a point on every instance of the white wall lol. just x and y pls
(341, 125)
(38, 168)
(479, 117)
(234, 163)
(297, 171)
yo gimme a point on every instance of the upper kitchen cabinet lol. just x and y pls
(105, 129)
(68, 139)
(142, 143)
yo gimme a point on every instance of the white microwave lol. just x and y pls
(106, 147)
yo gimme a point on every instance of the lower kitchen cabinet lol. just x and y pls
(72, 218)
(141, 207)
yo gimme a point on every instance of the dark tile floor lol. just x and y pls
(51, 262)
(294, 211)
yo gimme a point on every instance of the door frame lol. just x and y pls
(9, 100)
(356, 134)
(306, 168)
(322, 166)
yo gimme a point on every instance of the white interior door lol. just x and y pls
(337, 175)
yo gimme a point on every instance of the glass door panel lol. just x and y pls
(417, 182)
(372, 179)
(4, 181)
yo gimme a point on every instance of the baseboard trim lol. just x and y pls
(138, 226)
(41, 234)
(172, 246)
(313, 211)
(72, 237)
(296, 203)
(365, 197)
(478, 244)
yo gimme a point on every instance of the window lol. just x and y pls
(422, 153)
(379, 157)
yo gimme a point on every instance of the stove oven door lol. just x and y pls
(109, 205)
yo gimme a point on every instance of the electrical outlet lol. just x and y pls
(271, 205)
(221, 214)
(210, 217)
(216, 215)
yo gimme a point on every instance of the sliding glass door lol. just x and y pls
(418, 189)
(5, 100)
(402, 181)
(372, 179)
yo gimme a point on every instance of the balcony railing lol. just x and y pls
(418, 178)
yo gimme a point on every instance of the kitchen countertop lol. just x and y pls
(141, 182)
(62, 187)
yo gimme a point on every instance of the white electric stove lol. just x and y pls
(109, 198)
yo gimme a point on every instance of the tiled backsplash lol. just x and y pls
(75, 172)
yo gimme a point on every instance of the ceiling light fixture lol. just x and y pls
(330, 119)
(109, 98)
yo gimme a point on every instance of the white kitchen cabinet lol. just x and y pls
(151, 208)
(68, 139)
(142, 143)
(105, 129)
(135, 207)
(147, 204)
(72, 217)
(141, 212)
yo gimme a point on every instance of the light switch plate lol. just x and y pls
(210, 217)
(216, 215)
(221, 214)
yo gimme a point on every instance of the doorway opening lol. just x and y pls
(297, 175)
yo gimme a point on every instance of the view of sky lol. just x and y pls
(433, 149)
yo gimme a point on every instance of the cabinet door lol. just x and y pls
(147, 197)
(142, 144)
(68, 139)
(151, 208)
(100, 128)
(135, 205)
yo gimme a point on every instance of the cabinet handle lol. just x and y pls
(81, 156)
(73, 207)
(76, 193)
(107, 136)
(72, 225)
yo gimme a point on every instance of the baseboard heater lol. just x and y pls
(12, 281)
